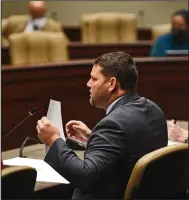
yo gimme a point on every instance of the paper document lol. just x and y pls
(172, 143)
(45, 173)
(54, 114)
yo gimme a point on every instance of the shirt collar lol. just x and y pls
(112, 104)
(39, 21)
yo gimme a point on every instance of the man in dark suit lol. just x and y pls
(132, 127)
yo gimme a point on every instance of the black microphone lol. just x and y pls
(31, 112)
(23, 145)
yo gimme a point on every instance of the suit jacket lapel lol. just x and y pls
(130, 96)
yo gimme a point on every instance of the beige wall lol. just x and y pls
(69, 12)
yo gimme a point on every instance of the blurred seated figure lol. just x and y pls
(108, 27)
(177, 39)
(35, 21)
(37, 48)
(176, 133)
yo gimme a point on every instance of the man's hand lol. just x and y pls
(47, 131)
(77, 130)
(176, 133)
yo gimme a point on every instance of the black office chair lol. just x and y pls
(18, 182)
(161, 174)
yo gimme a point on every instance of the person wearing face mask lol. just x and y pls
(177, 39)
(37, 18)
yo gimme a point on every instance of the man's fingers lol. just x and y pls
(45, 121)
(73, 137)
(78, 128)
(37, 127)
(40, 124)
(72, 122)
(69, 127)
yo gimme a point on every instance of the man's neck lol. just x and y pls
(112, 104)
(37, 18)
(115, 97)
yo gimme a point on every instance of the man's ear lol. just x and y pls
(113, 84)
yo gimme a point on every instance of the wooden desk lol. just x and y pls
(74, 33)
(163, 80)
(36, 151)
(78, 50)
(5, 56)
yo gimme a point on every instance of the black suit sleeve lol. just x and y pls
(105, 146)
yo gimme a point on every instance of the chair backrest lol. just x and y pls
(160, 30)
(108, 27)
(38, 47)
(18, 182)
(162, 173)
(17, 24)
(4, 25)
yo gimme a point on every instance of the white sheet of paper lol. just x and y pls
(54, 114)
(172, 143)
(45, 173)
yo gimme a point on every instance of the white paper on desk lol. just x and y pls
(45, 173)
(172, 143)
(54, 114)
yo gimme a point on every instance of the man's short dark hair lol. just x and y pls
(121, 66)
(184, 13)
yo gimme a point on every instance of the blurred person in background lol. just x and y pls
(177, 39)
(37, 20)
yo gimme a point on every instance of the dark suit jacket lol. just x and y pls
(133, 127)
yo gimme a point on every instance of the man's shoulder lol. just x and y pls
(154, 105)
(164, 38)
(52, 21)
(132, 108)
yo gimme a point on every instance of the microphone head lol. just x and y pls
(33, 111)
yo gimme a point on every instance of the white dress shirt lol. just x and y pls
(35, 22)
(111, 105)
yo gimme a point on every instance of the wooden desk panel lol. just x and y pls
(5, 56)
(74, 33)
(162, 80)
(92, 51)
(78, 50)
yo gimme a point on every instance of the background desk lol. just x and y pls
(78, 50)
(74, 33)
